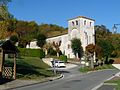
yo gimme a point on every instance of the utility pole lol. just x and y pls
(115, 28)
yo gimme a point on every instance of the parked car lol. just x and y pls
(58, 63)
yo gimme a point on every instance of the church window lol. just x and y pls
(68, 46)
(76, 22)
(90, 23)
(73, 23)
(85, 22)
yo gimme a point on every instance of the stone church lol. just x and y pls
(80, 27)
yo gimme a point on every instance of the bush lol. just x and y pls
(51, 51)
(63, 57)
(42, 54)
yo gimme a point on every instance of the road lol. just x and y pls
(74, 80)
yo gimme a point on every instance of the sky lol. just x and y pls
(104, 12)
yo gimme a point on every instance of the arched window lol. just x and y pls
(90, 23)
(73, 23)
(68, 46)
(76, 22)
(85, 22)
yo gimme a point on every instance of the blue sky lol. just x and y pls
(106, 12)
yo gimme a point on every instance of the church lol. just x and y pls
(80, 27)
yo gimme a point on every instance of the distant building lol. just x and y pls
(80, 27)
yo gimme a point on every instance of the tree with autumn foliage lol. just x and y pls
(56, 45)
(90, 49)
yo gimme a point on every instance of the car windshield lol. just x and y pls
(61, 62)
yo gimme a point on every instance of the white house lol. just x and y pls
(80, 27)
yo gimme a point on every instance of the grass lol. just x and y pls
(117, 81)
(87, 69)
(30, 68)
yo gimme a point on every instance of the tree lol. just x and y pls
(57, 47)
(4, 13)
(7, 27)
(98, 51)
(26, 31)
(107, 48)
(51, 30)
(91, 49)
(41, 40)
(76, 47)
(14, 39)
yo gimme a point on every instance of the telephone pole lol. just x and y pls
(115, 27)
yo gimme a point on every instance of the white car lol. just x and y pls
(58, 63)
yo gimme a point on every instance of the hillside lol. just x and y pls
(51, 30)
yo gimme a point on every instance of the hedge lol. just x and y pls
(31, 52)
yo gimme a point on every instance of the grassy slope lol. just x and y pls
(31, 68)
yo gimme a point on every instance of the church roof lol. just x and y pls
(81, 17)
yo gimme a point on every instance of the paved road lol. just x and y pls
(74, 80)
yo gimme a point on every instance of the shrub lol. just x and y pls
(42, 54)
(51, 51)
(63, 57)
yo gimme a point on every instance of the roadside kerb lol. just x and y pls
(37, 82)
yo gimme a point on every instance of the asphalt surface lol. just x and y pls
(107, 87)
(74, 80)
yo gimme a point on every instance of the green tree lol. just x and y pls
(107, 48)
(14, 39)
(41, 40)
(26, 31)
(98, 51)
(76, 47)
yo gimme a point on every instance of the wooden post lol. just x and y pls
(14, 74)
(1, 62)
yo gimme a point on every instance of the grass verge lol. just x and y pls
(87, 69)
(115, 81)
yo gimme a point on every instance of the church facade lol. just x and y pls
(80, 27)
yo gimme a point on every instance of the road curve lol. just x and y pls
(74, 80)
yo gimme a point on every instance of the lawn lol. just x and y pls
(30, 68)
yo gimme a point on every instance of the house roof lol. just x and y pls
(8, 47)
